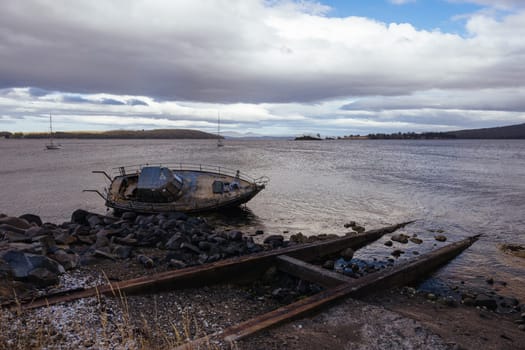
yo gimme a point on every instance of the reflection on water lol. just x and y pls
(461, 187)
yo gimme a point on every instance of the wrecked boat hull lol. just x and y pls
(186, 189)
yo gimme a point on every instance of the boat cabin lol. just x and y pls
(158, 184)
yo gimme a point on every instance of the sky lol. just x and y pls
(268, 67)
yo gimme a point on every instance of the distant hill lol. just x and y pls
(502, 132)
(127, 134)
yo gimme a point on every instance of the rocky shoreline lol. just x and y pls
(39, 258)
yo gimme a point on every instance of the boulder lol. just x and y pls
(11, 228)
(486, 301)
(347, 254)
(42, 277)
(79, 216)
(22, 264)
(234, 235)
(400, 237)
(122, 251)
(94, 220)
(440, 238)
(16, 222)
(274, 240)
(397, 253)
(32, 219)
(16, 237)
(416, 240)
(129, 216)
(358, 228)
(68, 260)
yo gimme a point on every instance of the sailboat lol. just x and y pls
(219, 139)
(51, 144)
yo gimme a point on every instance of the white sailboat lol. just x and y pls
(219, 140)
(51, 144)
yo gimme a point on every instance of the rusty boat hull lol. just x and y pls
(182, 188)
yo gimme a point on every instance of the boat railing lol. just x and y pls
(134, 169)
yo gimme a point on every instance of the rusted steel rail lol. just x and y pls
(394, 276)
(244, 267)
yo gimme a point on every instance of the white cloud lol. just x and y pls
(264, 63)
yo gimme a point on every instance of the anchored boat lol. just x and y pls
(187, 188)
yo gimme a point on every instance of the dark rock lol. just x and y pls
(87, 239)
(15, 222)
(490, 281)
(440, 238)
(274, 240)
(175, 241)
(79, 216)
(81, 230)
(94, 220)
(400, 237)
(203, 245)
(486, 301)
(48, 244)
(397, 253)
(12, 229)
(22, 263)
(328, 264)
(122, 251)
(127, 240)
(468, 301)
(431, 296)
(69, 261)
(42, 277)
(416, 240)
(178, 264)
(32, 219)
(389, 243)
(358, 229)
(16, 237)
(65, 238)
(234, 235)
(104, 253)
(190, 247)
(298, 238)
(350, 224)
(102, 241)
(259, 232)
(35, 231)
(129, 216)
(347, 254)
(146, 261)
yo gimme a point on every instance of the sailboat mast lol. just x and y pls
(50, 128)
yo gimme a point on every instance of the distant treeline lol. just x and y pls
(412, 136)
(503, 132)
(118, 134)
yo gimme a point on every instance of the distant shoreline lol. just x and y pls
(516, 132)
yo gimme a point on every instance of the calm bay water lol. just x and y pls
(462, 187)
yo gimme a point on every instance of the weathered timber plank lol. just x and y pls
(309, 272)
(221, 271)
(395, 276)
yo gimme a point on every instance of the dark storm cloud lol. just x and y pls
(245, 52)
(111, 101)
(36, 92)
(74, 99)
(136, 102)
(509, 100)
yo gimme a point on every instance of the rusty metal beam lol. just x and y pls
(311, 273)
(395, 276)
(244, 267)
